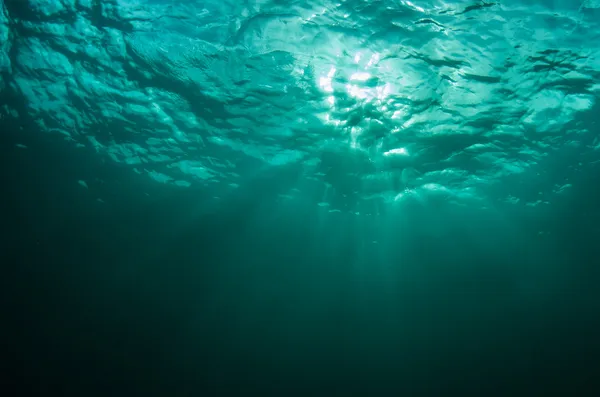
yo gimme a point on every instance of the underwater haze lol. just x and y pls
(301, 198)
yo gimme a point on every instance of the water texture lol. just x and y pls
(476, 103)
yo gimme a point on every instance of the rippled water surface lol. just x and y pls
(376, 102)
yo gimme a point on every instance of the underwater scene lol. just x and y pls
(300, 198)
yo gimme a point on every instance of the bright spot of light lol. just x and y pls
(410, 4)
(356, 92)
(374, 59)
(396, 152)
(325, 82)
(360, 76)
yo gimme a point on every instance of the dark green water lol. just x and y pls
(139, 299)
(266, 198)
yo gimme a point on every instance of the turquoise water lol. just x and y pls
(303, 197)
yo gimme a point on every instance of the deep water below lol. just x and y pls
(137, 299)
